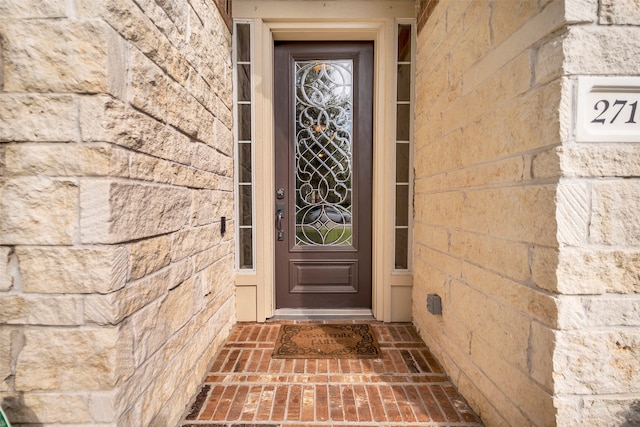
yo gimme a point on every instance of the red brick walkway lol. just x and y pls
(406, 387)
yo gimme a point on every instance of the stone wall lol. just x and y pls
(530, 238)
(597, 357)
(116, 166)
(489, 94)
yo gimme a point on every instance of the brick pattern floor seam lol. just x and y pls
(245, 386)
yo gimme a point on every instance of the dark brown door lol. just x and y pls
(323, 135)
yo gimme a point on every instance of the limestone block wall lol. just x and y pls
(116, 166)
(529, 236)
(597, 356)
(488, 103)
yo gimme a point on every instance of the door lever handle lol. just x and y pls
(279, 216)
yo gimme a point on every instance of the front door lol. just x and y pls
(323, 135)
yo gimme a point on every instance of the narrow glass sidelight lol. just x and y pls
(403, 144)
(323, 152)
(243, 122)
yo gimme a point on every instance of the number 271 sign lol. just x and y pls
(608, 110)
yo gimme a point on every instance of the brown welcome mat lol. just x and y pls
(326, 341)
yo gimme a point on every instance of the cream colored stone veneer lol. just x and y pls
(530, 238)
(116, 285)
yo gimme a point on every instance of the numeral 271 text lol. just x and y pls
(603, 106)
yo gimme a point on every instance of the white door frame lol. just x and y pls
(265, 32)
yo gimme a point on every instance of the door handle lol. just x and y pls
(279, 216)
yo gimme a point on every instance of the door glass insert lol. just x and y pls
(323, 152)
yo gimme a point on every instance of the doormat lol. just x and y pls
(326, 341)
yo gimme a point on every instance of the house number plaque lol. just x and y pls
(608, 109)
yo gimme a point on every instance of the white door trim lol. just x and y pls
(380, 33)
(256, 291)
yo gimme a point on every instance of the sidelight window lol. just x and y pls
(403, 144)
(243, 126)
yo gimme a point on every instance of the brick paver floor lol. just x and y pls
(406, 387)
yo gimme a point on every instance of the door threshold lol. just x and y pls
(323, 314)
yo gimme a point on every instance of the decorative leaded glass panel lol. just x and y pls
(323, 152)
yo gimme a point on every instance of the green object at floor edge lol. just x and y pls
(3, 419)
